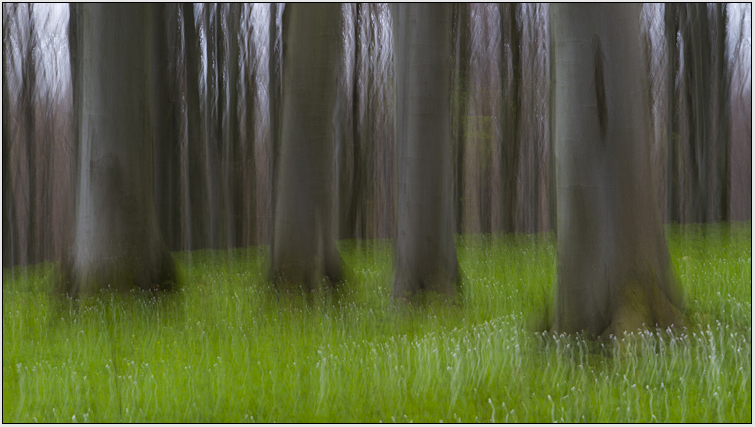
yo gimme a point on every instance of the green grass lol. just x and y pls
(223, 349)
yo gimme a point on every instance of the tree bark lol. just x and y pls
(8, 206)
(117, 242)
(425, 251)
(275, 68)
(614, 273)
(511, 76)
(462, 77)
(304, 240)
(194, 169)
(672, 123)
(230, 170)
(165, 125)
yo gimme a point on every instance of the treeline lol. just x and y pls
(217, 84)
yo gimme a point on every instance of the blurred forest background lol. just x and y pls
(214, 159)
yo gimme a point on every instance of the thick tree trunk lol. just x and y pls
(117, 242)
(425, 251)
(614, 273)
(304, 240)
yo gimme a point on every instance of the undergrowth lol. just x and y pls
(225, 348)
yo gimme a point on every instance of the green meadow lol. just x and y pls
(225, 348)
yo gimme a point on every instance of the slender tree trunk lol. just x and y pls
(614, 273)
(721, 139)
(28, 89)
(165, 126)
(672, 129)
(275, 68)
(462, 76)
(248, 198)
(355, 216)
(117, 242)
(212, 129)
(195, 168)
(511, 76)
(425, 251)
(229, 128)
(698, 90)
(304, 240)
(8, 202)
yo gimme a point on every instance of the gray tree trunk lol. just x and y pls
(117, 243)
(511, 104)
(8, 208)
(304, 234)
(425, 251)
(462, 40)
(614, 273)
(165, 121)
(230, 170)
(195, 219)
(671, 19)
(275, 67)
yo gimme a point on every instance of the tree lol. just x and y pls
(614, 273)
(166, 112)
(425, 251)
(304, 231)
(511, 104)
(116, 239)
(8, 208)
(194, 169)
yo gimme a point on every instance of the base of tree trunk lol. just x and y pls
(299, 278)
(419, 289)
(120, 275)
(643, 305)
(640, 304)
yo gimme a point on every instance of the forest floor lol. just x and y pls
(225, 349)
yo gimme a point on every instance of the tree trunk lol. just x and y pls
(8, 205)
(672, 126)
(425, 251)
(511, 76)
(721, 142)
(614, 273)
(230, 170)
(462, 77)
(304, 239)
(165, 125)
(117, 242)
(275, 68)
(194, 169)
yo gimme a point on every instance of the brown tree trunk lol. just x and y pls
(117, 243)
(614, 273)
(304, 236)
(425, 250)
(194, 168)
(511, 76)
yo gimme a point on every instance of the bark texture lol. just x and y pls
(425, 250)
(304, 235)
(614, 273)
(117, 243)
